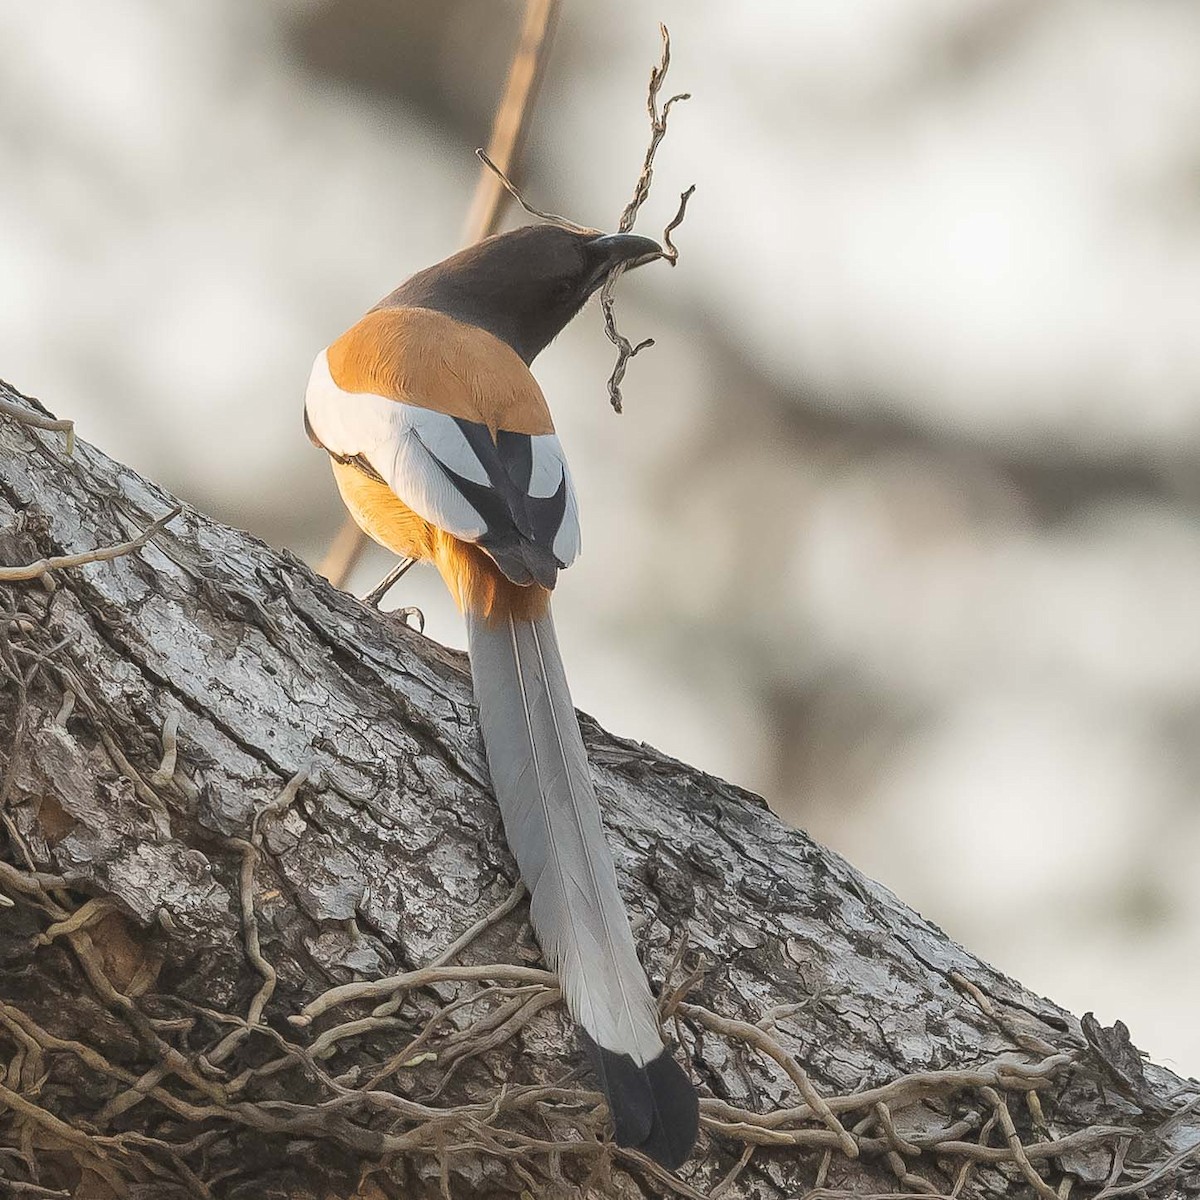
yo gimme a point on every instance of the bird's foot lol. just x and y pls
(412, 618)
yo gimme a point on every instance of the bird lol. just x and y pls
(444, 450)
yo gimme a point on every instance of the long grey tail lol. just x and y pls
(551, 816)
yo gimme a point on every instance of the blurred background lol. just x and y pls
(900, 526)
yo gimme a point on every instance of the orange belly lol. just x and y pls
(476, 583)
(382, 515)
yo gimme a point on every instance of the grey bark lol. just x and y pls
(127, 1072)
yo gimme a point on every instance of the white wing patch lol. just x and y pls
(549, 470)
(404, 444)
(408, 446)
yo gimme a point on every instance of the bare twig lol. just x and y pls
(1000, 1108)
(18, 413)
(250, 851)
(626, 350)
(658, 130)
(964, 1172)
(752, 1035)
(509, 127)
(512, 189)
(36, 570)
(484, 923)
(414, 1053)
(670, 252)
(376, 988)
(738, 1167)
(461, 942)
(511, 123)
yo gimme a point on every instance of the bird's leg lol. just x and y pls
(375, 596)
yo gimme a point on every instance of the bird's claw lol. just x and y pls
(403, 615)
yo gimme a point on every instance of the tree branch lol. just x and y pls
(264, 937)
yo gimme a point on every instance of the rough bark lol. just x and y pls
(327, 820)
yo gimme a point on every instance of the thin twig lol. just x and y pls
(670, 252)
(1000, 1108)
(733, 1173)
(461, 942)
(512, 189)
(752, 1035)
(414, 1053)
(626, 350)
(250, 852)
(511, 123)
(964, 1173)
(422, 977)
(37, 421)
(658, 130)
(36, 570)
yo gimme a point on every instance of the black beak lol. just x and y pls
(609, 249)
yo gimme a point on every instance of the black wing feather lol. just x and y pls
(520, 528)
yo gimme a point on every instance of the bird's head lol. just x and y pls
(525, 285)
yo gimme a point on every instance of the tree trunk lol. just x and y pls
(248, 825)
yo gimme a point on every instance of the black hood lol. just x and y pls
(523, 286)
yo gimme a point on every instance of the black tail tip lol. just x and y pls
(654, 1107)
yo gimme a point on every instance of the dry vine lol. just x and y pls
(626, 350)
(512, 996)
